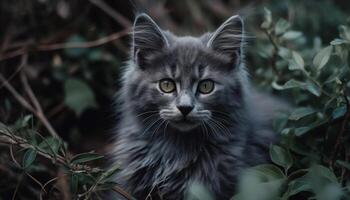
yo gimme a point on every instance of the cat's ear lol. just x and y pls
(148, 39)
(228, 38)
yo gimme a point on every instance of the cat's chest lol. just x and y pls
(173, 172)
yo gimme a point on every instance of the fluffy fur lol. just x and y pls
(159, 150)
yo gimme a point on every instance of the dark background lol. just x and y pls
(44, 29)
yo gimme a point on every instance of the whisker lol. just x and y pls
(205, 130)
(220, 126)
(214, 130)
(224, 121)
(156, 130)
(166, 125)
(141, 114)
(150, 126)
(223, 113)
(145, 119)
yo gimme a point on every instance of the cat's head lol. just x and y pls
(185, 81)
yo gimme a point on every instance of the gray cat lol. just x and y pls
(188, 113)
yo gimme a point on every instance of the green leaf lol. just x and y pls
(29, 158)
(24, 122)
(281, 156)
(281, 26)
(78, 95)
(198, 192)
(297, 62)
(302, 130)
(280, 121)
(50, 145)
(288, 85)
(74, 180)
(344, 32)
(292, 35)
(267, 19)
(309, 86)
(344, 164)
(110, 172)
(85, 157)
(268, 172)
(313, 88)
(299, 185)
(322, 57)
(301, 113)
(338, 112)
(339, 42)
(322, 171)
(324, 183)
(285, 53)
(267, 181)
(75, 52)
(343, 52)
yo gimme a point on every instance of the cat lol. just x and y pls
(188, 113)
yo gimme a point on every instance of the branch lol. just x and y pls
(10, 139)
(89, 44)
(275, 51)
(113, 13)
(51, 47)
(23, 63)
(342, 130)
(16, 95)
(38, 109)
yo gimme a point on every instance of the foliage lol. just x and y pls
(58, 67)
(310, 161)
(85, 182)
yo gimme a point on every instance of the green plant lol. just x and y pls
(312, 158)
(85, 182)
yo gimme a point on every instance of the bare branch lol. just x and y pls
(38, 109)
(51, 47)
(113, 13)
(18, 141)
(16, 95)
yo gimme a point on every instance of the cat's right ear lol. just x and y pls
(148, 39)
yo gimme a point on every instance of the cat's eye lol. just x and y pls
(167, 85)
(206, 86)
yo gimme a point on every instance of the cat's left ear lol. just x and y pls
(228, 38)
(148, 39)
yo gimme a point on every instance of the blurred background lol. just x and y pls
(64, 58)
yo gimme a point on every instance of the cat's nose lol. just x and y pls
(185, 109)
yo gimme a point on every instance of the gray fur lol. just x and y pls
(230, 128)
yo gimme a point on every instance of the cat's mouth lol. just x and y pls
(184, 124)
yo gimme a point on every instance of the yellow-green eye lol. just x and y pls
(206, 86)
(167, 85)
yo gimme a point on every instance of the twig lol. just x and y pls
(51, 47)
(48, 182)
(275, 51)
(62, 183)
(119, 190)
(16, 95)
(113, 13)
(17, 187)
(19, 166)
(38, 109)
(342, 130)
(18, 141)
(89, 44)
(23, 63)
